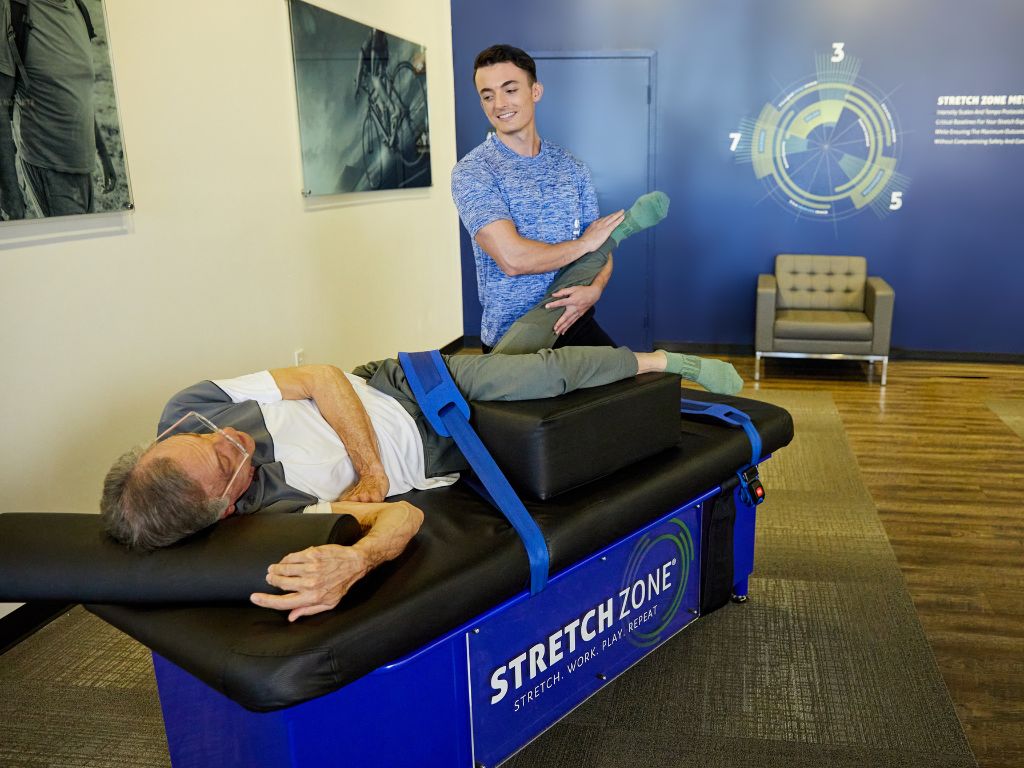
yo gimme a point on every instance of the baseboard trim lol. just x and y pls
(28, 619)
(460, 344)
(939, 356)
(942, 356)
(694, 348)
(457, 345)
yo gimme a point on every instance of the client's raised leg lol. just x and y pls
(535, 329)
(647, 211)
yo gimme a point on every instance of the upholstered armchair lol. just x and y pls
(823, 306)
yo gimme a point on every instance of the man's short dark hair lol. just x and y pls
(499, 54)
(154, 505)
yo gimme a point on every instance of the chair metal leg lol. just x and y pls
(757, 366)
(885, 368)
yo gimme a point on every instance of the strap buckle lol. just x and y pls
(434, 393)
(751, 490)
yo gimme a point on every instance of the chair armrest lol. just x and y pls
(879, 298)
(764, 318)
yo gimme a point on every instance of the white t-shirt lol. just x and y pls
(315, 460)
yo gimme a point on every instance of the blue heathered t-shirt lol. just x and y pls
(549, 198)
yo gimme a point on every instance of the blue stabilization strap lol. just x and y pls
(729, 415)
(448, 413)
(750, 485)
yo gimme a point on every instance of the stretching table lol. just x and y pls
(443, 657)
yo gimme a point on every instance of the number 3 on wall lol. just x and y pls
(838, 54)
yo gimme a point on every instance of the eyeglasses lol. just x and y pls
(183, 426)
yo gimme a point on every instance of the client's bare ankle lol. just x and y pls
(651, 362)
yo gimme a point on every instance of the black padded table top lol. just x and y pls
(465, 560)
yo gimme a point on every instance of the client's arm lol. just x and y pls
(341, 407)
(316, 578)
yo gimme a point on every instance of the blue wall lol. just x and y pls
(952, 251)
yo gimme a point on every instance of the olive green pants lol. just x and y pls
(535, 329)
(547, 373)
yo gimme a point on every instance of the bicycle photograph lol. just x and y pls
(362, 102)
(395, 125)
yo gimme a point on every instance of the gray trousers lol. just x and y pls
(547, 373)
(58, 193)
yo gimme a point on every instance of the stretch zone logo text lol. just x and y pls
(586, 628)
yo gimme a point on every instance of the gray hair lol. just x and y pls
(156, 504)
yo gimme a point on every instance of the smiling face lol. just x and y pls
(508, 97)
(212, 461)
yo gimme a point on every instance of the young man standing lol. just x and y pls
(529, 206)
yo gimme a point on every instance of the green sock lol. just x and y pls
(714, 375)
(647, 211)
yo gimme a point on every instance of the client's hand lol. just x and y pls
(315, 579)
(370, 488)
(318, 577)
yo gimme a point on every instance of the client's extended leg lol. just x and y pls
(535, 329)
(540, 374)
(553, 372)
(715, 376)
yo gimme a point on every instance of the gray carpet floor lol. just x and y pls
(79, 694)
(826, 665)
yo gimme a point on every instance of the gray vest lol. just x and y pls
(269, 492)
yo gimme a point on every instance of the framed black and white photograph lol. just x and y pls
(362, 101)
(61, 152)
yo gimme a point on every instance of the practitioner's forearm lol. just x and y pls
(518, 255)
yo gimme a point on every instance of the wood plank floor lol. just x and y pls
(947, 476)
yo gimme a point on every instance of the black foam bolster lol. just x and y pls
(547, 447)
(58, 556)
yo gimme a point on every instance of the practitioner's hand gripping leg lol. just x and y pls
(535, 329)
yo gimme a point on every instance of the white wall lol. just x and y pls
(223, 267)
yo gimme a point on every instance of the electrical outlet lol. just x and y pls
(300, 356)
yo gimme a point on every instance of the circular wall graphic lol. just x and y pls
(827, 147)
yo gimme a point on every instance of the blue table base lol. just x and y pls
(480, 693)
